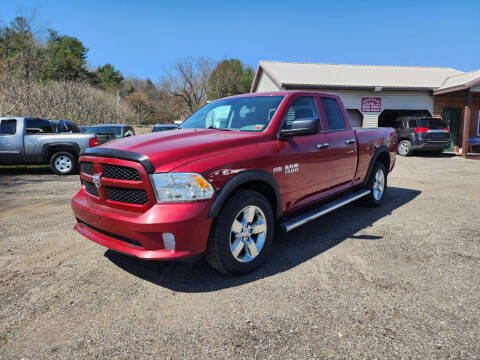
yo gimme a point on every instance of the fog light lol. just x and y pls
(168, 241)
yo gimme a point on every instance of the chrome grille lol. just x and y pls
(120, 172)
(126, 195)
(86, 167)
(90, 187)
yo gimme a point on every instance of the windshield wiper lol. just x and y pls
(221, 129)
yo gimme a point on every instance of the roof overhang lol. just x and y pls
(457, 88)
(357, 88)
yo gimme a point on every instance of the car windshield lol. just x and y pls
(116, 130)
(252, 113)
(431, 123)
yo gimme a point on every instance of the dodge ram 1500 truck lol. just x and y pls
(219, 183)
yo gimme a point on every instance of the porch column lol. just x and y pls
(466, 122)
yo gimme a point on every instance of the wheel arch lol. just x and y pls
(257, 180)
(50, 149)
(381, 154)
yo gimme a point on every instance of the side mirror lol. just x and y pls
(306, 126)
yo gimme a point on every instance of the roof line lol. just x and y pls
(399, 66)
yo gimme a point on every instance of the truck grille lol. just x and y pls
(123, 184)
(90, 187)
(86, 167)
(126, 195)
(120, 172)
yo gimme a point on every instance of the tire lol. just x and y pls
(63, 163)
(375, 198)
(404, 148)
(233, 226)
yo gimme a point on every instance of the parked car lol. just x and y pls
(218, 184)
(118, 130)
(421, 134)
(25, 140)
(163, 127)
(64, 126)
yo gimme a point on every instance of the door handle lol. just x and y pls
(323, 146)
(350, 141)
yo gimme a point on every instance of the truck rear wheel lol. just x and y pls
(377, 184)
(242, 234)
(63, 163)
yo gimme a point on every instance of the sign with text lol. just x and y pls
(371, 104)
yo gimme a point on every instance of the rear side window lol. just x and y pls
(412, 123)
(334, 115)
(38, 126)
(302, 108)
(8, 127)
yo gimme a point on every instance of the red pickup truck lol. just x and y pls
(220, 182)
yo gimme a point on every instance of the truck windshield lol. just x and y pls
(431, 123)
(252, 113)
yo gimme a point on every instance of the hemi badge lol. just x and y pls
(277, 169)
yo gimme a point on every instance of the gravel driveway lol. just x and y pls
(399, 281)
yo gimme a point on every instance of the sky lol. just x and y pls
(145, 38)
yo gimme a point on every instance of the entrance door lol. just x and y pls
(450, 117)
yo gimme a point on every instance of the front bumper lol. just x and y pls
(140, 234)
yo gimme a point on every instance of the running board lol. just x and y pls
(308, 216)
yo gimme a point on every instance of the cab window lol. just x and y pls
(8, 127)
(302, 108)
(333, 113)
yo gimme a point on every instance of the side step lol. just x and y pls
(308, 216)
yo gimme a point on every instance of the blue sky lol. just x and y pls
(143, 38)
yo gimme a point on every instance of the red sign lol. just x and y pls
(371, 104)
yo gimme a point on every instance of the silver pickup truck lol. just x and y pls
(25, 140)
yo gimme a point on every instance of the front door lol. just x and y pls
(11, 142)
(305, 163)
(450, 117)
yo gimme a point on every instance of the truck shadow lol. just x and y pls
(287, 251)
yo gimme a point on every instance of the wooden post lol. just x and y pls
(466, 122)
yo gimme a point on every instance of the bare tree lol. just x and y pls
(188, 80)
(76, 101)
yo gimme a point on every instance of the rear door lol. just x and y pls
(11, 141)
(304, 163)
(342, 144)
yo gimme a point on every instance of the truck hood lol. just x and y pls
(168, 150)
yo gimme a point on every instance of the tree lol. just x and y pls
(230, 77)
(109, 78)
(143, 108)
(188, 80)
(66, 58)
(20, 54)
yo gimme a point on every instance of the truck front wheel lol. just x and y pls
(377, 184)
(241, 235)
(63, 163)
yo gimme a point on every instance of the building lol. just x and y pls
(375, 95)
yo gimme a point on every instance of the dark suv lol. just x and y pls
(422, 134)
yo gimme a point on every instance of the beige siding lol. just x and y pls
(370, 120)
(265, 84)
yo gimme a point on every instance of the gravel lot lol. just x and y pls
(400, 281)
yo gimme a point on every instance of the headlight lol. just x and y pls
(175, 187)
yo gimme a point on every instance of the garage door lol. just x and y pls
(356, 117)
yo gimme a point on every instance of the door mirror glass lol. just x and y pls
(305, 126)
